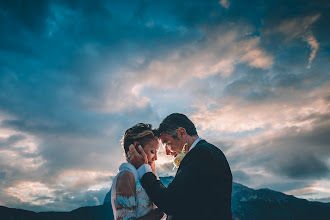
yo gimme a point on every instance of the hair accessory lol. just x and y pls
(143, 134)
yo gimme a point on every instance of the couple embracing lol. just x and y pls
(201, 188)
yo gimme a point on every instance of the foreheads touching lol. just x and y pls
(176, 130)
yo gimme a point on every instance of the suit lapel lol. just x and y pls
(190, 153)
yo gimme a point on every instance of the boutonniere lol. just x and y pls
(179, 157)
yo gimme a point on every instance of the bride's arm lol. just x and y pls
(124, 200)
(155, 213)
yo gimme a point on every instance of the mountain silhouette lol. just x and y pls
(247, 204)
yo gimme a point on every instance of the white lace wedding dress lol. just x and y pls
(130, 205)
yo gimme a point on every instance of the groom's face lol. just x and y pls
(172, 145)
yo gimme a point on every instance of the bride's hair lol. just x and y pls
(141, 133)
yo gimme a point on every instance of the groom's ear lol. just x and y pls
(182, 134)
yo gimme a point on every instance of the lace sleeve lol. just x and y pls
(124, 198)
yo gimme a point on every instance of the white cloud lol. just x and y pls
(265, 138)
(294, 27)
(300, 27)
(29, 192)
(310, 39)
(21, 153)
(257, 58)
(224, 3)
(219, 56)
(73, 189)
(235, 117)
(216, 54)
(136, 77)
(315, 191)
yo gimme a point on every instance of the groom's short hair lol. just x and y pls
(174, 121)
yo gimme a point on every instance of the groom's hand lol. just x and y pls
(137, 159)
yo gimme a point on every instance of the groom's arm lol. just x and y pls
(182, 190)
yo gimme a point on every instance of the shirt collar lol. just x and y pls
(195, 143)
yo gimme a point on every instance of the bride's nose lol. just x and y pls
(155, 157)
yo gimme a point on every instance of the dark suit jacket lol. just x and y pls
(201, 188)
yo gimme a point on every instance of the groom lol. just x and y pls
(202, 186)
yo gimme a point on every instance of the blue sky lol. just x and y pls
(253, 76)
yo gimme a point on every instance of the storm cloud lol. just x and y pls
(253, 77)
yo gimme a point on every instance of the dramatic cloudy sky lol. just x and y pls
(74, 75)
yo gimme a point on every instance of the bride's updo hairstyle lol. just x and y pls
(141, 132)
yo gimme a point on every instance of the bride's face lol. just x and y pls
(151, 149)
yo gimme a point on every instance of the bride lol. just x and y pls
(129, 200)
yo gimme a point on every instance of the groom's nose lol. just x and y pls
(168, 151)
